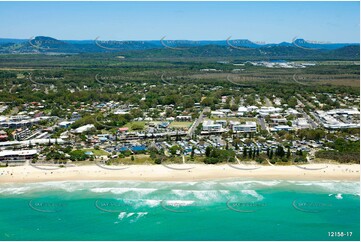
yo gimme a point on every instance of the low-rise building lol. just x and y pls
(17, 155)
(209, 125)
(248, 127)
(84, 128)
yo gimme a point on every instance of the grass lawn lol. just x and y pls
(130, 124)
(138, 160)
(247, 119)
(180, 124)
(97, 152)
(225, 118)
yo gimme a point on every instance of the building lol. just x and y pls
(183, 118)
(242, 110)
(339, 118)
(210, 126)
(84, 128)
(278, 121)
(31, 142)
(221, 122)
(248, 127)
(17, 155)
(163, 125)
(218, 114)
(264, 111)
(281, 127)
(65, 124)
(302, 123)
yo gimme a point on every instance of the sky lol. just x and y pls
(269, 22)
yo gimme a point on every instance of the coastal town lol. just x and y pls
(247, 129)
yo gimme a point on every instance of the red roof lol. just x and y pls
(123, 129)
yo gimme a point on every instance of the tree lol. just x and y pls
(192, 153)
(173, 150)
(288, 152)
(244, 151)
(208, 151)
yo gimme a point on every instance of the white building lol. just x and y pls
(184, 118)
(221, 122)
(218, 114)
(302, 123)
(84, 128)
(281, 127)
(17, 155)
(210, 126)
(264, 111)
(248, 127)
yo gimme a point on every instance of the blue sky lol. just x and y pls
(270, 22)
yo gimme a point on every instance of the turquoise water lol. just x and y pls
(209, 210)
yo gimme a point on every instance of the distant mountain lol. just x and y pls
(299, 48)
(263, 53)
(11, 41)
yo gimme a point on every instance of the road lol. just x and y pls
(305, 101)
(309, 120)
(262, 122)
(197, 122)
(306, 116)
(268, 102)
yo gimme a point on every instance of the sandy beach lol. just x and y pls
(186, 172)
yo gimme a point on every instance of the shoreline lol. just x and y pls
(181, 172)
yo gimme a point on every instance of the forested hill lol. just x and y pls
(163, 49)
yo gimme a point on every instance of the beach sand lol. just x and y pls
(316, 172)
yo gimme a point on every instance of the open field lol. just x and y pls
(176, 124)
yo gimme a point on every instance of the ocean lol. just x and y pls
(204, 210)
